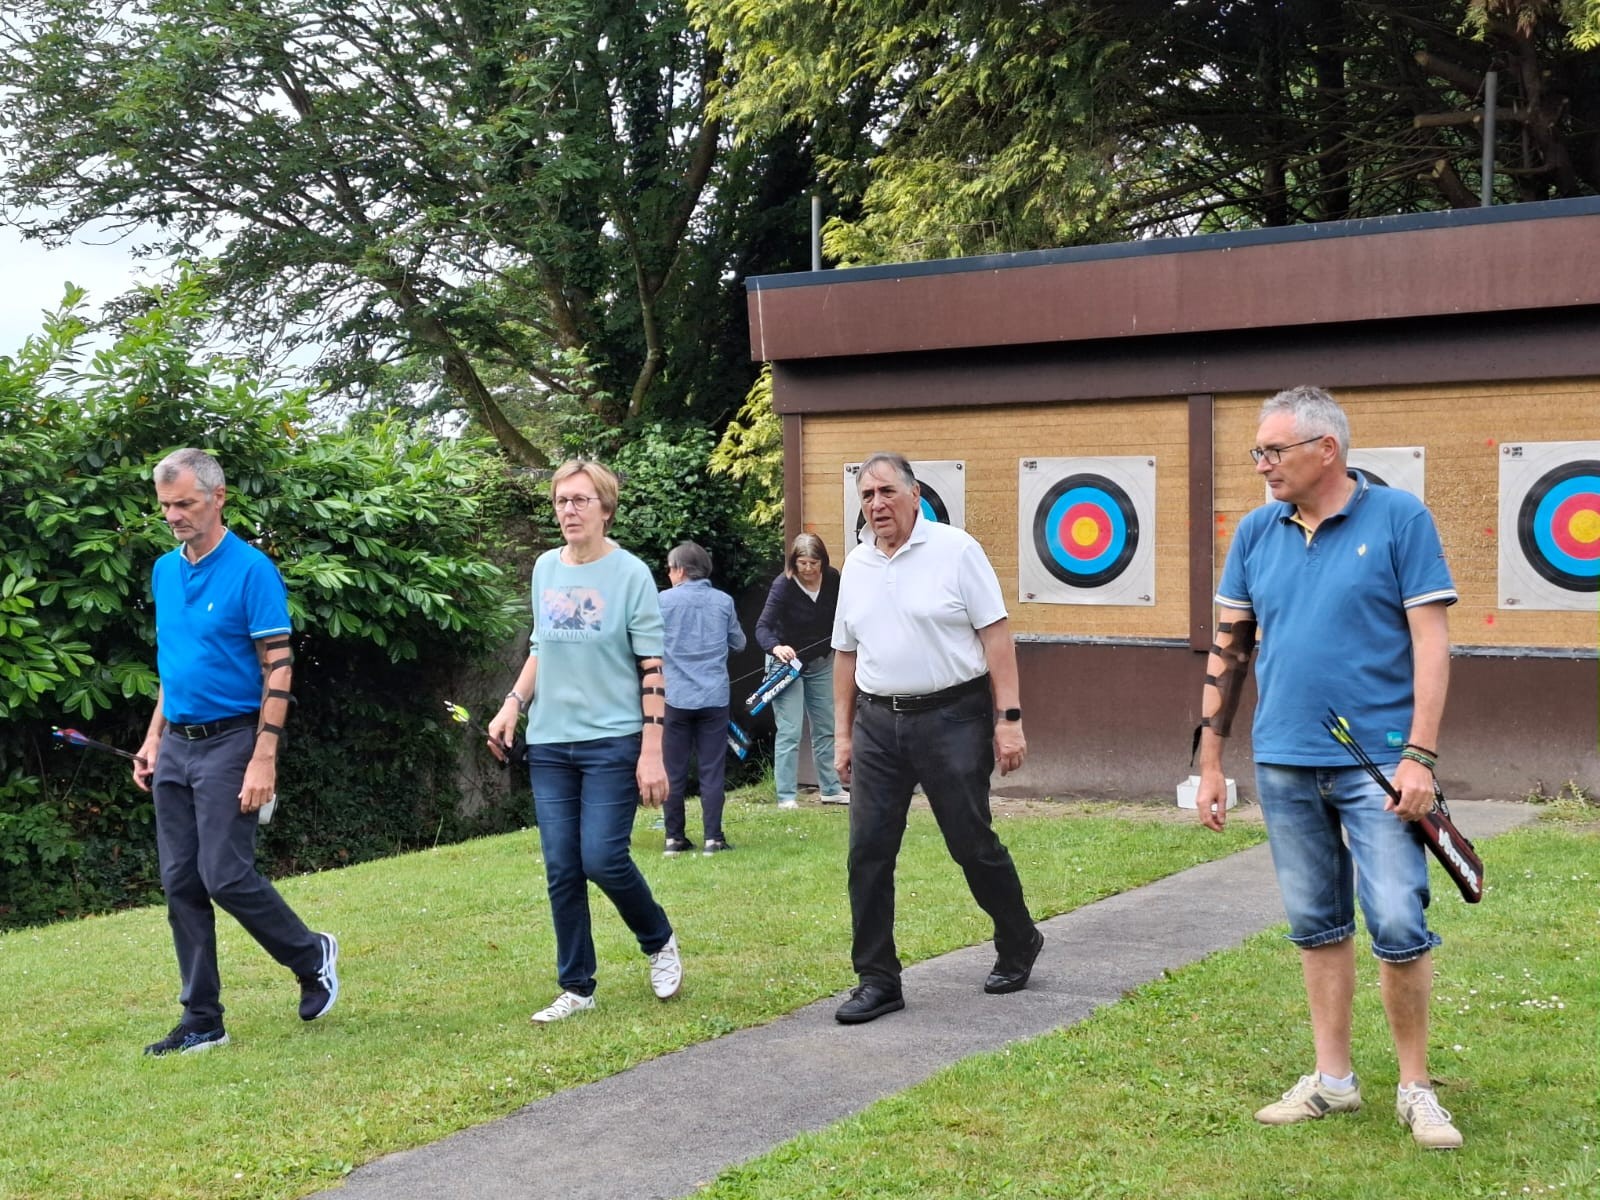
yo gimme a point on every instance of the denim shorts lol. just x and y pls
(1320, 877)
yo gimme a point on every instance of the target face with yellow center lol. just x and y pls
(1085, 531)
(1559, 526)
(1549, 525)
(1084, 528)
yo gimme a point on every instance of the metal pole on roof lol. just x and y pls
(1486, 180)
(816, 232)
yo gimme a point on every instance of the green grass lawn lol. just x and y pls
(1153, 1096)
(444, 955)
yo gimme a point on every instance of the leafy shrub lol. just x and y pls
(376, 528)
(670, 495)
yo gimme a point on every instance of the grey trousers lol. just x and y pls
(208, 856)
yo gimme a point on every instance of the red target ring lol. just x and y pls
(1084, 531)
(1575, 525)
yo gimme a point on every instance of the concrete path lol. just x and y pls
(741, 1095)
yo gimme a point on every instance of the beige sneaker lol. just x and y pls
(1309, 1100)
(1418, 1109)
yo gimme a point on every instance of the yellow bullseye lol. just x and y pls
(1085, 531)
(1585, 526)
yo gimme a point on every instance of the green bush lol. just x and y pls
(378, 530)
(670, 495)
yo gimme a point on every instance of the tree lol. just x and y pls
(536, 202)
(379, 533)
(1016, 126)
(751, 452)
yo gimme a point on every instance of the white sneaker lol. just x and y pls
(835, 797)
(1418, 1109)
(666, 970)
(788, 804)
(561, 1007)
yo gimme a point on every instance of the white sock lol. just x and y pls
(1338, 1085)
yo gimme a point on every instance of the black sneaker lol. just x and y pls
(183, 1040)
(677, 846)
(319, 991)
(716, 846)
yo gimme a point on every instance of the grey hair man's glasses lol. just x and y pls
(1274, 454)
(576, 503)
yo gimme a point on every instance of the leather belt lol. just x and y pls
(928, 700)
(194, 733)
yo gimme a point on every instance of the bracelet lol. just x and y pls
(1418, 757)
(1433, 754)
(522, 701)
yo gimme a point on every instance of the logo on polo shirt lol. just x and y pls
(1361, 549)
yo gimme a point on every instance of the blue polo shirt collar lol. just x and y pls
(1286, 511)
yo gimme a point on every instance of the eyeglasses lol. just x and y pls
(575, 503)
(1274, 454)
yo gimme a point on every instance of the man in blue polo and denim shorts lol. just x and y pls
(210, 757)
(1349, 585)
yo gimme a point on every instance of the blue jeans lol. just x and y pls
(585, 794)
(1320, 878)
(809, 696)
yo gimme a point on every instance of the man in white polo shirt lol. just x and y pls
(924, 687)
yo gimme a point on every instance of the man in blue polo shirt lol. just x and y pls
(1349, 585)
(211, 754)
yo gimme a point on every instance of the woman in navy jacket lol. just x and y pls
(797, 625)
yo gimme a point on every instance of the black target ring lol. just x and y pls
(1085, 530)
(1552, 507)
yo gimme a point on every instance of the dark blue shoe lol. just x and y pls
(319, 991)
(183, 1040)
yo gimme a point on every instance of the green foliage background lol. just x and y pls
(378, 529)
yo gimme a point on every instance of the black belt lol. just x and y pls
(929, 700)
(194, 733)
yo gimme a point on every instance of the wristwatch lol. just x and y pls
(1009, 714)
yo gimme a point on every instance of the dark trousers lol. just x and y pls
(704, 731)
(208, 856)
(951, 750)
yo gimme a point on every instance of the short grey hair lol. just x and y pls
(1315, 413)
(207, 470)
(896, 462)
(691, 558)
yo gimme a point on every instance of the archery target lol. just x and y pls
(1084, 530)
(944, 496)
(1402, 467)
(1550, 525)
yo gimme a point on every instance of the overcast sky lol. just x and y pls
(33, 277)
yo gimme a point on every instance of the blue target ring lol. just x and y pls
(1085, 530)
(1557, 523)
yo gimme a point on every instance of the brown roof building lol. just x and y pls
(1465, 347)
